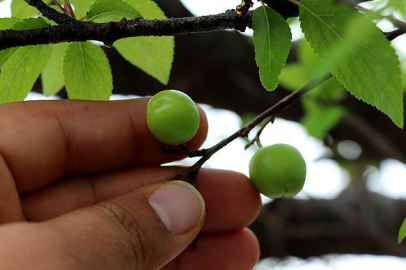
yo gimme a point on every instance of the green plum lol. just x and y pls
(172, 117)
(278, 171)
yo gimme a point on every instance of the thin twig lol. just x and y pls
(192, 172)
(56, 2)
(49, 12)
(69, 6)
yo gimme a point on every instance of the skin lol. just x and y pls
(75, 178)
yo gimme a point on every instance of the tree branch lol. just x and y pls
(71, 30)
(49, 12)
(108, 33)
(272, 112)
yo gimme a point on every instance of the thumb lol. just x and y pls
(144, 229)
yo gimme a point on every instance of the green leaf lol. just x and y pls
(363, 61)
(87, 72)
(111, 10)
(20, 72)
(20, 9)
(82, 7)
(398, 5)
(52, 77)
(293, 76)
(319, 120)
(20, 67)
(153, 55)
(31, 23)
(329, 91)
(5, 55)
(148, 9)
(8, 23)
(272, 40)
(402, 232)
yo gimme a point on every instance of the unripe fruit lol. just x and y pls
(278, 171)
(172, 117)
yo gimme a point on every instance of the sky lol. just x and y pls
(325, 179)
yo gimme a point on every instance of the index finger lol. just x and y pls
(41, 141)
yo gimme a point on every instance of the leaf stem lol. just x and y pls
(69, 6)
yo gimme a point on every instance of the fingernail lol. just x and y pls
(179, 206)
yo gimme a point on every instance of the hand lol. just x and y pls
(81, 187)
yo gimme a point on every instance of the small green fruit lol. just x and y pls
(172, 117)
(278, 171)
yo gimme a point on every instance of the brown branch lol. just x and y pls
(73, 30)
(275, 110)
(49, 12)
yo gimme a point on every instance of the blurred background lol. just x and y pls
(353, 202)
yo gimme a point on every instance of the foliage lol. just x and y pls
(57, 62)
(339, 40)
(272, 39)
(402, 232)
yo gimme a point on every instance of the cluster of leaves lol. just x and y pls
(349, 45)
(82, 68)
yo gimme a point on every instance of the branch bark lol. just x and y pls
(49, 12)
(71, 30)
(108, 33)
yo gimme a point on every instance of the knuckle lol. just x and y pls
(137, 238)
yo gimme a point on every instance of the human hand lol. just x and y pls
(77, 181)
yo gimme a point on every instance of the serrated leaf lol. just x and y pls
(20, 9)
(31, 23)
(111, 10)
(20, 72)
(293, 76)
(153, 55)
(81, 7)
(363, 61)
(87, 72)
(148, 9)
(272, 40)
(18, 24)
(7, 23)
(402, 232)
(52, 77)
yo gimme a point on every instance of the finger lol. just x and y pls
(221, 251)
(231, 200)
(143, 229)
(43, 140)
(10, 205)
